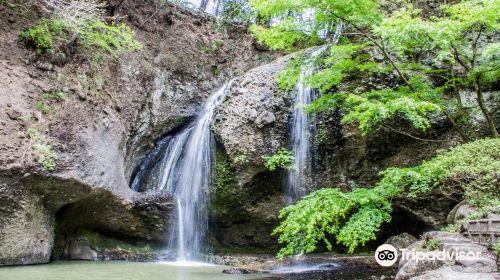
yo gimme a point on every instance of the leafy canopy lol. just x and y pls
(297, 23)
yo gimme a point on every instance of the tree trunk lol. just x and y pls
(486, 112)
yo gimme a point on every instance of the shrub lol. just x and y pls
(44, 34)
(95, 37)
(288, 78)
(281, 159)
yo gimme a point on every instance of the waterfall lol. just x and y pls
(300, 128)
(185, 171)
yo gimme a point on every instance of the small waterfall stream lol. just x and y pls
(300, 130)
(300, 127)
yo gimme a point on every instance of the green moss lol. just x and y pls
(100, 243)
(240, 158)
(229, 199)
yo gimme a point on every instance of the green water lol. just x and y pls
(116, 271)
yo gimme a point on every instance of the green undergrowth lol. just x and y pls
(94, 38)
(288, 78)
(354, 218)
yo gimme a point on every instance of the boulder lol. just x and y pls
(447, 273)
(401, 241)
(460, 212)
(81, 250)
(479, 260)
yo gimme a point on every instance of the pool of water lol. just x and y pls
(116, 270)
(121, 270)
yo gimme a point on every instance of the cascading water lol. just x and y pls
(185, 171)
(300, 128)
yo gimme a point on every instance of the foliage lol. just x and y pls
(497, 249)
(341, 60)
(454, 49)
(431, 244)
(51, 35)
(43, 35)
(45, 156)
(288, 78)
(451, 228)
(114, 39)
(240, 158)
(237, 11)
(472, 167)
(372, 108)
(281, 159)
(321, 136)
(355, 217)
(293, 27)
(286, 35)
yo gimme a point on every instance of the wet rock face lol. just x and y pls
(253, 121)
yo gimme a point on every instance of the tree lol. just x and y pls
(459, 37)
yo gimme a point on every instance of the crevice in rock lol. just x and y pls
(145, 174)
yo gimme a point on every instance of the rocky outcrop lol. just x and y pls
(253, 122)
(101, 127)
(479, 263)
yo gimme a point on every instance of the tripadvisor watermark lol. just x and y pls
(387, 255)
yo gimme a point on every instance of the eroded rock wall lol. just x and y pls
(109, 118)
